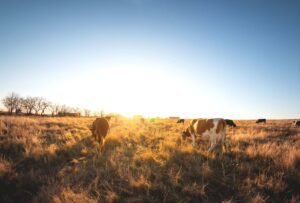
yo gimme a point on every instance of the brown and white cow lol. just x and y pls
(100, 129)
(212, 129)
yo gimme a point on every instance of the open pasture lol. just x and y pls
(47, 159)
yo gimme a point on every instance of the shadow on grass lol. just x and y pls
(181, 177)
(30, 173)
(282, 136)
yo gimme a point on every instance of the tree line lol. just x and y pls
(18, 105)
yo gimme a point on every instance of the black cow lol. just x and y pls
(261, 120)
(230, 123)
(180, 121)
(297, 123)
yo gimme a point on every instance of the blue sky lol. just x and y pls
(233, 59)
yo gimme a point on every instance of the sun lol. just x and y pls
(134, 89)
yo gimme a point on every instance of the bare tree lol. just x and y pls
(54, 109)
(12, 102)
(28, 104)
(18, 110)
(65, 109)
(44, 105)
(57, 108)
(18, 105)
(97, 113)
(87, 112)
(23, 105)
(37, 104)
(40, 105)
(75, 110)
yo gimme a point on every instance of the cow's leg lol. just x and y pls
(95, 135)
(212, 147)
(225, 142)
(213, 142)
(193, 140)
(100, 140)
(227, 145)
(103, 144)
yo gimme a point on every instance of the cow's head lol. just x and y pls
(185, 134)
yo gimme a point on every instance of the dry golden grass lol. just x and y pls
(56, 160)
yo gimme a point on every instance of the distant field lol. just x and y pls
(56, 160)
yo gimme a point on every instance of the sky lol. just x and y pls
(189, 58)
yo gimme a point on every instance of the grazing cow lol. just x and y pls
(100, 129)
(230, 123)
(213, 129)
(297, 123)
(261, 120)
(180, 121)
(108, 118)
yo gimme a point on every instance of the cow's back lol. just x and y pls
(100, 126)
(203, 125)
(208, 126)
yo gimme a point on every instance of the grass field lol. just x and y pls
(56, 160)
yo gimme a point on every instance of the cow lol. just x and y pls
(100, 129)
(230, 123)
(108, 118)
(180, 121)
(261, 120)
(213, 129)
(297, 123)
